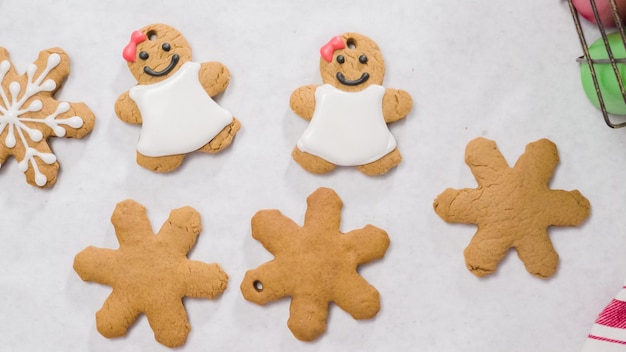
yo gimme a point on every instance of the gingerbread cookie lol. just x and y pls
(173, 99)
(315, 264)
(150, 274)
(29, 114)
(513, 207)
(349, 113)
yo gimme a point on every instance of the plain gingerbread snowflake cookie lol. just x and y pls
(512, 207)
(315, 265)
(29, 114)
(150, 274)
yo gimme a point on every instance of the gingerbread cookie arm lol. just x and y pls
(307, 317)
(127, 110)
(485, 161)
(357, 297)
(131, 223)
(396, 104)
(203, 280)
(116, 315)
(367, 244)
(302, 101)
(215, 77)
(169, 322)
(274, 230)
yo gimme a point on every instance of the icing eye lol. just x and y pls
(341, 59)
(363, 59)
(144, 55)
(166, 46)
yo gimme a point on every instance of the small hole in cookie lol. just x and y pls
(258, 285)
(351, 43)
(151, 35)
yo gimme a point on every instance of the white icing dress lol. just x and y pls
(178, 116)
(348, 128)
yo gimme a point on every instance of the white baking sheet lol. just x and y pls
(503, 70)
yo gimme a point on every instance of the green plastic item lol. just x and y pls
(609, 87)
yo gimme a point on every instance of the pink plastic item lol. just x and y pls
(604, 10)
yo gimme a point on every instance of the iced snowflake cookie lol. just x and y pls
(512, 206)
(29, 114)
(150, 274)
(173, 100)
(315, 265)
(349, 113)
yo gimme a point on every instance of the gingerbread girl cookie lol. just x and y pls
(29, 114)
(173, 99)
(349, 113)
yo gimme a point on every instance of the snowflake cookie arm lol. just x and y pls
(180, 230)
(116, 315)
(539, 161)
(267, 283)
(214, 77)
(127, 110)
(169, 322)
(274, 230)
(366, 244)
(97, 265)
(459, 205)
(131, 223)
(485, 161)
(302, 101)
(323, 212)
(396, 104)
(307, 317)
(357, 297)
(566, 208)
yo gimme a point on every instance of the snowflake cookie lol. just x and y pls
(512, 206)
(150, 274)
(29, 114)
(315, 264)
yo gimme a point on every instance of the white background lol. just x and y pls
(504, 70)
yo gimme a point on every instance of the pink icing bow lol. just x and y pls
(333, 44)
(131, 49)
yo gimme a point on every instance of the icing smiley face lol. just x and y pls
(155, 52)
(351, 62)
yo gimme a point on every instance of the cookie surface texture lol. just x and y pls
(349, 113)
(513, 207)
(29, 114)
(315, 264)
(150, 274)
(173, 99)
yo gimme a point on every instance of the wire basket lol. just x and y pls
(611, 58)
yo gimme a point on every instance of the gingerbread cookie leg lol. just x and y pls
(382, 165)
(223, 139)
(311, 163)
(160, 164)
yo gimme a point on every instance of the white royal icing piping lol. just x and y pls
(178, 116)
(348, 128)
(12, 109)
